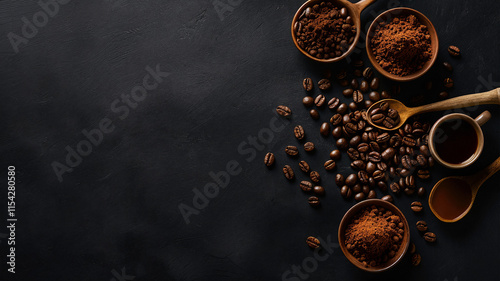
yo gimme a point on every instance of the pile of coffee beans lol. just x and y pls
(325, 31)
(385, 116)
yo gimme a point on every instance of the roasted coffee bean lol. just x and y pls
(371, 167)
(324, 84)
(299, 133)
(388, 154)
(406, 162)
(346, 192)
(350, 129)
(335, 154)
(448, 83)
(337, 132)
(357, 188)
(409, 191)
(423, 174)
(342, 109)
(430, 161)
(368, 103)
(403, 172)
(358, 63)
(374, 156)
(363, 176)
(378, 118)
(308, 101)
(382, 166)
(353, 154)
(306, 186)
(329, 165)
(443, 95)
(363, 86)
(269, 159)
(292, 150)
(395, 187)
(314, 201)
(325, 129)
(361, 125)
(383, 94)
(346, 119)
(308, 146)
(354, 83)
(336, 119)
(422, 226)
(430, 237)
(374, 146)
(409, 141)
(341, 75)
(308, 84)
(348, 92)
(392, 172)
(283, 110)
(374, 96)
(371, 182)
(343, 82)
(388, 198)
(363, 147)
(357, 97)
(379, 175)
(333, 103)
(320, 100)
(288, 171)
(359, 196)
(454, 51)
(410, 181)
(374, 85)
(304, 166)
(421, 192)
(422, 160)
(448, 66)
(358, 72)
(314, 114)
(416, 259)
(384, 137)
(416, 206)
(342, 144)
(358, 165)
(372, 194)
(313, 242)
(353, 106)
(319, 190)
(354, 141)
(339, 180)
(368, 73)
(314, 176)
(412, 249)
(351, 179)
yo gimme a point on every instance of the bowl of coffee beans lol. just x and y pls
(327, 30)
(402, 44)
(374, 235)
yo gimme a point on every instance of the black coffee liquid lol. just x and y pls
(455, 141)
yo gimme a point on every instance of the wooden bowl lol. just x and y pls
(354, 10)
(386, 17)
(346, 220)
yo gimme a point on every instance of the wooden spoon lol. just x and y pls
(490, 97)
(457, 193)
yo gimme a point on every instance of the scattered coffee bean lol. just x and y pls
(448, 83)
(342, 109)
(443, 95)
(454, 51)
(368, 73)
(308, 84)
(325, 129)
(421, 192)
(320, 100)
(324, 84)
(335, 155)
(346, 192)
(357, 97)
(388, 198)
(422, 226)
(292, 150)
(384, 94)
(341, 75)
(372, 194)
(412, 249)
(314, 114)
(416, 259)
(351, 180)
(283, 110)
(299, 132)
(430, 237)
(308, 146)
(313, 242)
(334, 103)
(306, 186)
(314, 176)
(330, 165)
(342, 144)
(416, 206)
(374, 85)
(308, 101)
(395, 188)
(358, 72)
(288, 171)
(269, 159)
(364, 87)
(314, 201)
(304, 166)
(359, 196)
(354, 83)
(358, 63)
(448, 66)
(319, 190)
(348, 92)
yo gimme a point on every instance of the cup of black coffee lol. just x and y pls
(456, 140)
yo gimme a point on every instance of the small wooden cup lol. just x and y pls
(346, 220)
(388, 16)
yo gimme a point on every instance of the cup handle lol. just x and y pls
(483, 118)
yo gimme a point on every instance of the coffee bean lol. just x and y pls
(308, 101)
(359, 165)
(364, 87)
(299, 132)
(357, 97)
(346, 192)
(374, 85)
(382, 166)
(269, 159)
(314, 176)
(383, 94)
(350, 129)
(358, 63)
(416, 259)
(372, 194)
(339, 180)
(374, 156)
(378, 118)
(359, 196)
(304, 166)
(351, 179)
(348, 92)
(357, 188)
(324, 84)
(342, 143)
(421, 192)
(353, 106)
(354, 83)
(292, 150)
(354, 141)
(353, 154)
(342, 74)
(395, 188)
(308, 84)
(314, 201)
(333, 103)
(416, 206)
(388, 198)
(430, 161)
(363, 176)
(443, 95)
(379, 175)
(314, 114)
(374, 96)
(358, 72)
(337, 132)
(306, 186)
(343, 82)
(368, 103)
(412, 249)
(368, 73)
(319, 190)
(342, 109)
(325, 129)
(363, 147)
(335, 154)
(283, 110)
(422, 226)
(448, 66)
(406, 162)
(430, 237)
(329, 165)
(454, 51)
(288, 171)
(320, 100)
(448, 82)
(313, 242)
(346, 119)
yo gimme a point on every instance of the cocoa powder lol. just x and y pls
(402, 46)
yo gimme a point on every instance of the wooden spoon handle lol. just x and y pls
(480, 177)
(361, 5)
(490, 97)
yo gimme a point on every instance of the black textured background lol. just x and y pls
(119, 209)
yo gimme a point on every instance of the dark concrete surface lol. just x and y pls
(115, 215)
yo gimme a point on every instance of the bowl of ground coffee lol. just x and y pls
(374, 235)
(327, 30)
(402, 44)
